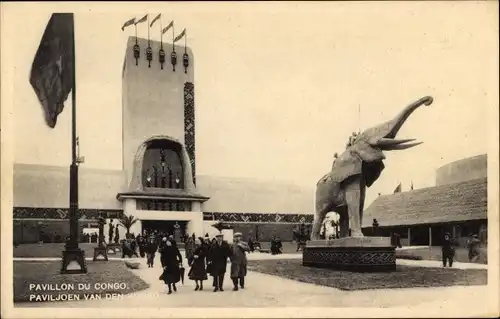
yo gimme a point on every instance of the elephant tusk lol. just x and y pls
(390, 141)
(401, 146)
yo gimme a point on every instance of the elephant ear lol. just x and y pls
(372, 158)
(360, 158)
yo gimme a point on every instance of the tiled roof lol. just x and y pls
(446, 203)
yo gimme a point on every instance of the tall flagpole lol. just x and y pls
(148, 31)
(72, 252)
(359, 118)
(161, 35)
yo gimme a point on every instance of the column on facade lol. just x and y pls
(129, 209)
(195, 224)
(409, 236)
(430, 236)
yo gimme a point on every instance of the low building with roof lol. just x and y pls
(457, 204)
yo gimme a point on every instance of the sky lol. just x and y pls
(280, 86)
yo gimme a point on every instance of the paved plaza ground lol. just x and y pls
(271, 291)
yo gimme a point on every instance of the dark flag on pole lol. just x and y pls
(136, 48)
(52, 69)
(53, 78)
(155, 19)
(398, 189)
(128, 23)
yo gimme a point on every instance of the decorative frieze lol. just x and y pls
(259, 217)
(189, 126)
(63, 213)
(85, 213)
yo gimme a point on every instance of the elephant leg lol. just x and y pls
(353, 196)
(344, 222)
(362, 201)
(319, 216)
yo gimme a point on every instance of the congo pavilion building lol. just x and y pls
(158, 183)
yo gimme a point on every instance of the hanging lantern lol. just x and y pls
(161, 57)
(185, 61)
(137, 53)
(149, 55)
(173, 59)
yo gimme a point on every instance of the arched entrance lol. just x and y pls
(161, 190)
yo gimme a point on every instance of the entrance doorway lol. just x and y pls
(177, 228)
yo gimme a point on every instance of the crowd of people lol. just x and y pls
(204, 256)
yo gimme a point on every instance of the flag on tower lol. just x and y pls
(141, 20)
(180, 36)
(52, 71)
(398, 189)
(168, 27)
(128, 23)
(155, 19)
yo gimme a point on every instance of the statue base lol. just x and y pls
(113, 249)
(360, 254)
(73, 261)
(100, 251)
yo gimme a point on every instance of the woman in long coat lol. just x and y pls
(170, 260)
(198, 271)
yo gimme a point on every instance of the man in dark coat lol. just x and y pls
(151, 248)
(447, 250)
(217, 258)
(238, 261)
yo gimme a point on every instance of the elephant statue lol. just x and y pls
(343, 189)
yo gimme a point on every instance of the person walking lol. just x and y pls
(151, 248)
(141, 243)
(170, 260)
(238, 261)
(217, 258)
(190, 246)
(198, 271)
(473, 246)
(447, 250)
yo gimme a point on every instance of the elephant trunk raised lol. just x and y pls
(342, 190)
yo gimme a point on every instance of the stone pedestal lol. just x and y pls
(100, 251)
(73, 261)
(113, 249)
(351, 253)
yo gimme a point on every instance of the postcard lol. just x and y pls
(250, 159)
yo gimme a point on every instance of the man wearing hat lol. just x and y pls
(217, 260)
(447, 250)
(238, 261)
(473, 247)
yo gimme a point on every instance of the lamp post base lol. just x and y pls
(73, 261)
(100, 251)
